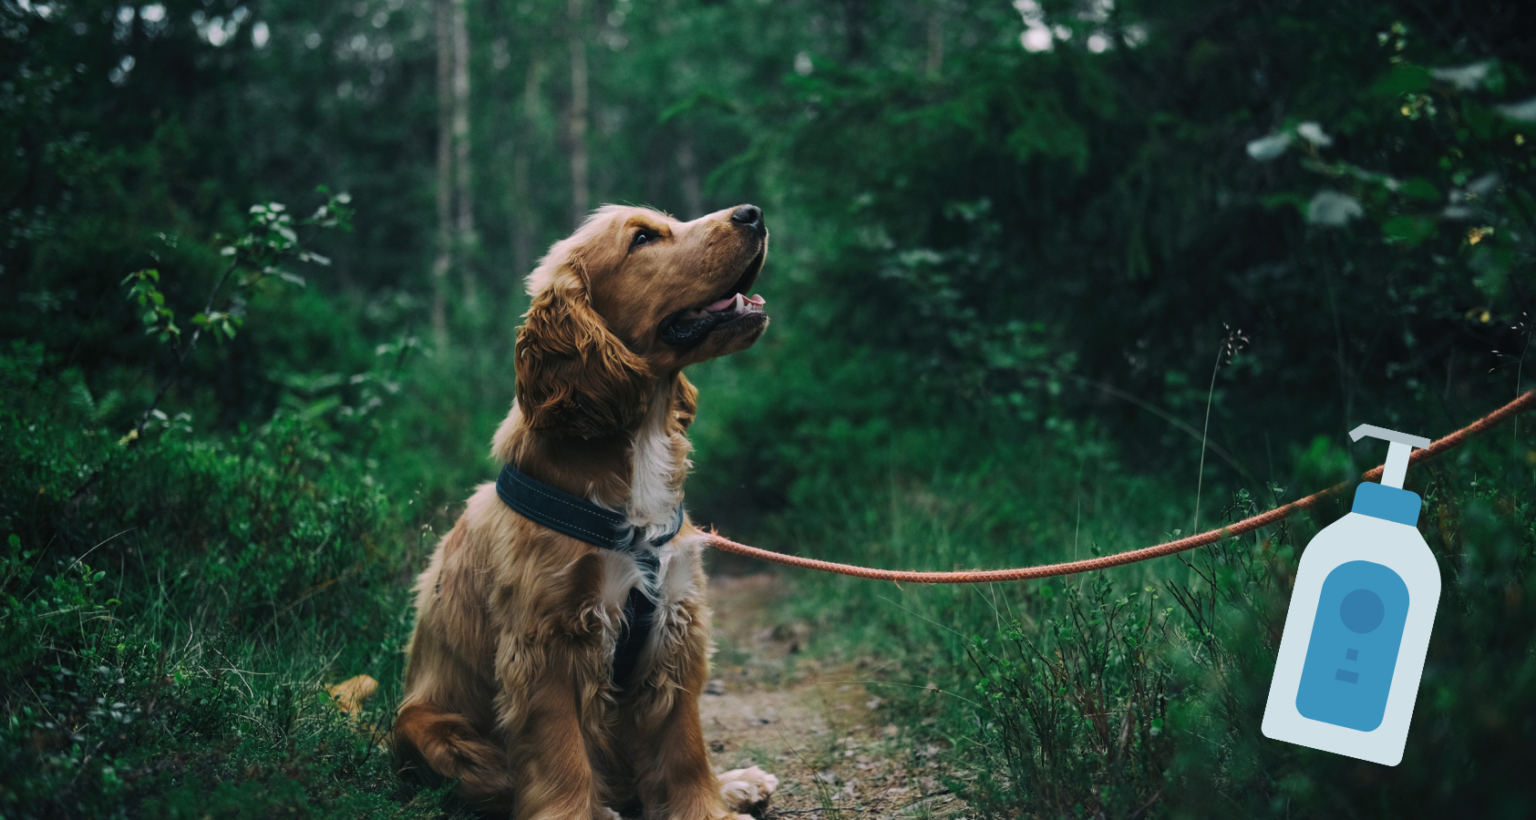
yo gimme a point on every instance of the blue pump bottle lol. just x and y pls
(1358, 626)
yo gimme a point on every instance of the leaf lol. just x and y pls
(1478, 118)
(699, 100)
(1409, 230)
(1281, 200)
(1407, 79)
(1313, 133)
(1421, 188)
(1520, 111)
(1464, 77)
(1269, 148)
(1333, 209)
(291, 278)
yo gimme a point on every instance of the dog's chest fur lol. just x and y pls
(658, 465)
(658, 462)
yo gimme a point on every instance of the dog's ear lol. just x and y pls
(685, 402)
(574, 377)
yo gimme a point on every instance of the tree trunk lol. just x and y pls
(577, 135)
(444, 259)
(853, 22)
(464, 240)
(687, 165)
(935, 43)
(524, 214)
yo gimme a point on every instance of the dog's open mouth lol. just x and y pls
(689, 326)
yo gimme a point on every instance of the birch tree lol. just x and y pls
(444, 258)
(465, 241)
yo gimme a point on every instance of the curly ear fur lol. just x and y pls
(685, 402)
(574, 376)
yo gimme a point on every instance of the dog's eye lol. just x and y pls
(643, 236)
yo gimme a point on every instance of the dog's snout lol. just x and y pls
(749, 216)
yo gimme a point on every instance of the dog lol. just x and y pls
(561, 646)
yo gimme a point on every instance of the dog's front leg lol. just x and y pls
(677, 780)
(551, 774)
(681, 783)
(552, 679)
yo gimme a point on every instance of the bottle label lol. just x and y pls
(1356, 634)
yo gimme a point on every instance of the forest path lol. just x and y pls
(811, 723)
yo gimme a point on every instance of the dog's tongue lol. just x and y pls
(735, 300)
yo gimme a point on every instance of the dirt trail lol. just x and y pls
(816, 727)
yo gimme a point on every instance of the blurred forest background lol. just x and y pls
(1048, 278)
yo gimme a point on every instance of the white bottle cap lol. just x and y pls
(1397, 454)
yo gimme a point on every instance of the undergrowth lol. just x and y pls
(167, 633)
(1139, 691)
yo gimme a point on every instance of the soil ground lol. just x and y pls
(815, 726)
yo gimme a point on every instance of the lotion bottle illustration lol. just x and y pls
(1359, 622)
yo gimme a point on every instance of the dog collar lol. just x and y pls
(585, 521)
(572, 515)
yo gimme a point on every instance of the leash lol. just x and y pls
(1525, 401)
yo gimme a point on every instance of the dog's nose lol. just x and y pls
(749, 216)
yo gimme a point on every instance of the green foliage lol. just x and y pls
(128, 691)
(158, 319)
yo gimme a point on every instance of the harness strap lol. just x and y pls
(581, 519)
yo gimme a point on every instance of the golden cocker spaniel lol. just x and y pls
(562, 638)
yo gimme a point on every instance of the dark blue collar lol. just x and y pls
(572, 515)
(585, 521)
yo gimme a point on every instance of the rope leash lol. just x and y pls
(1525, 401)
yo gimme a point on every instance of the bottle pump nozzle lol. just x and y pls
(1402, 444)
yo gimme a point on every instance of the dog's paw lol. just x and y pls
(747, 790)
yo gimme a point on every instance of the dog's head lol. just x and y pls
(631, 296)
